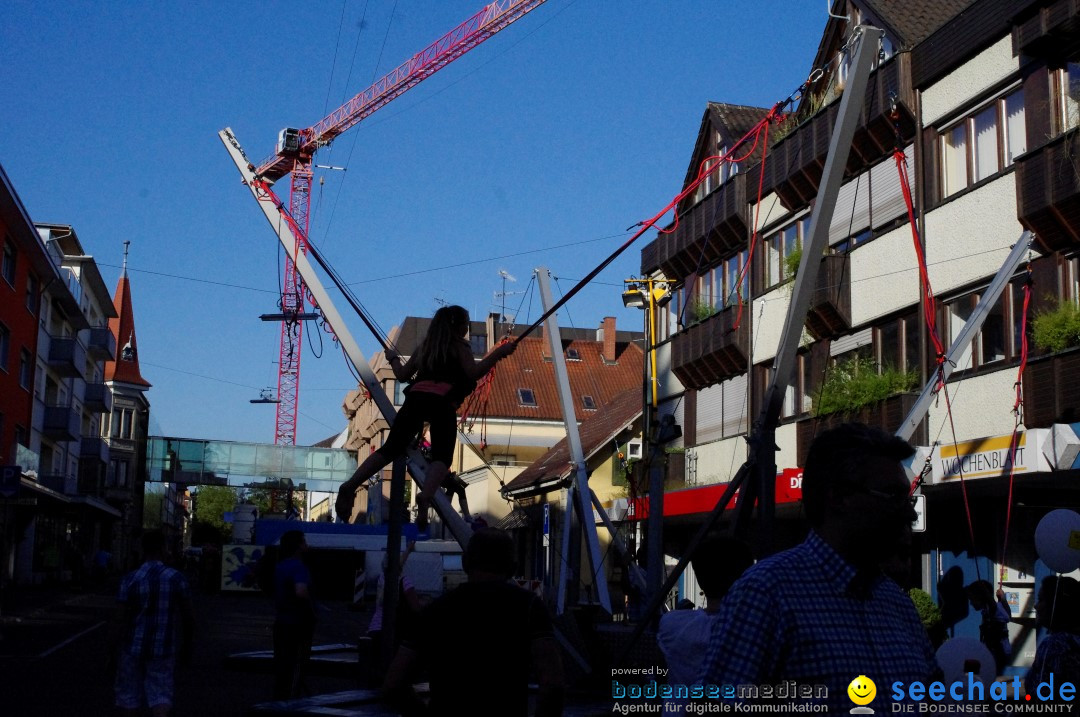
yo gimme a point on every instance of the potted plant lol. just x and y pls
(1057, 329)
(860, 382)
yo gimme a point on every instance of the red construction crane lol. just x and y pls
(296, 149)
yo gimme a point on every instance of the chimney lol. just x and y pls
(607, 335)
(492, 324)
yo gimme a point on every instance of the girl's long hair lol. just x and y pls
(434, 351)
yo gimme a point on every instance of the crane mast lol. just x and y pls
(296, 149)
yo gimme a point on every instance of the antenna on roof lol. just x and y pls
(828, 9)
(502, 294)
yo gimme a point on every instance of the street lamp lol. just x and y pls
(649, 294)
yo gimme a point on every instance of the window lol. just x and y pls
(589, 403)
(1070, 279)
(7, 268)
(5, 346)
(118, 469)
(983, 143)
(898, 344)
(478, 344)
(955, 159)
(122, 423)
(526, 397)
(26, 369)
(1068, 91)
(503, 459)
(778, 248)
(32, 288)
(399, 392)
(573, 355)
(730, 276)
(1000, 337)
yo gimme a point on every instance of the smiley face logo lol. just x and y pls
(862, 690)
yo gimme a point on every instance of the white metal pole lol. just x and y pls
(581, 489)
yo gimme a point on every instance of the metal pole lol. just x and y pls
(573, 439)
(272, 210)
(832, 176)
(967, 334)
(392, 576)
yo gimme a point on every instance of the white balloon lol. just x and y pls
(1052, 538)
(960, 655)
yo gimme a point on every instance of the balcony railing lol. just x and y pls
(98, 398)
(707, 232)
(1049, 31)
(1048, 191)
(67, 356)
(830, 306)
(712, 350)
(1052, 389)
(95, 448)
(91, 482)
(102, 344)
(61, 423)
(886, 415)
(794, 165)
(54, 481)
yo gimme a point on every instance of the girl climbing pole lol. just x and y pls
(442, 373)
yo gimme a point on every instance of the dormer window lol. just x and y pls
(573, 355)
(589, 403)
(526, 397)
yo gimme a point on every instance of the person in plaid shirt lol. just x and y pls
(823, 613)
(153, 629)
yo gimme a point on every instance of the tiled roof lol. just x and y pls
(123, 329)
(737, 119)
(912, 21)
(591, 376)
(596, 432)
(734, 121)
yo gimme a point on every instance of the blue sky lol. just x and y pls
(540, 147)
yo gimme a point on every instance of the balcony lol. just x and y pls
(1050, 31)
(707, 232)
(1051, 389)
(886, 415)
(98, 398)
(102, 344)
(710, 351)
(830, 306)
(61, 423)
(650, 260)
(67, 357)
(54, 481)
(1048, 191)
(94, 448)
(794, 164)
(91, 481)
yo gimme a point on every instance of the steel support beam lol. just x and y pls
(967, 334)
(276, 214)
(763, 441)
(580, 491)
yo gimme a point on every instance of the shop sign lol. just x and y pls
(982, 458)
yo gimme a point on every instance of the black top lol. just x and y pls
(452, 372)
(476, 644)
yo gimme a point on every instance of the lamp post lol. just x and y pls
(649, 294)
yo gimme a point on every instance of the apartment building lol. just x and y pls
(69, 398)
(25, 269)
(981, 97)
(520, 419)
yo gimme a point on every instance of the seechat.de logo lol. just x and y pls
(862, 692)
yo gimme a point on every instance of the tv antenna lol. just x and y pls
(501, 295)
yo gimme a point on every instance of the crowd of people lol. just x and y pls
(817, 614)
